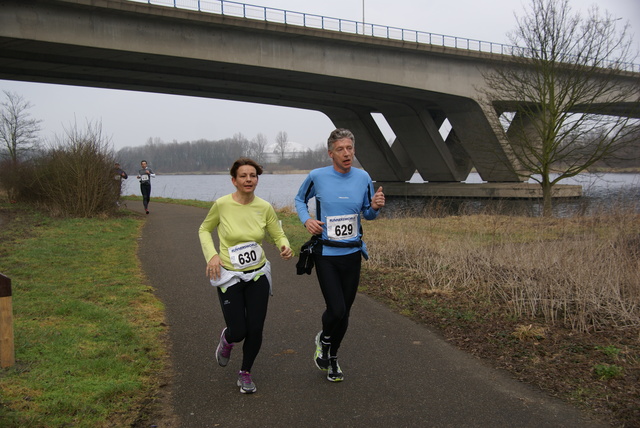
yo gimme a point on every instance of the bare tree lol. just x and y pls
(257, 148)
(240, 145)
(568, 78)
(18, 130)
(282, 144)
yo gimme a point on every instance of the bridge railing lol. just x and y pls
(268, 14)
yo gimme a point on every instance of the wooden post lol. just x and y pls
(7, 353)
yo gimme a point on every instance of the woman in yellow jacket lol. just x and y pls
(240, 270)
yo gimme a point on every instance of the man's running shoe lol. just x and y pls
(245, 383)
(334, 374)
(321, 363)
(223, 351)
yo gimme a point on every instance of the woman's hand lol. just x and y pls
(213, 267)
(285, 252)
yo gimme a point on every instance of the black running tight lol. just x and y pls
(244, 306)
(338, 277)
(145, 189)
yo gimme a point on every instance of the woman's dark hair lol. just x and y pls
(244, 161)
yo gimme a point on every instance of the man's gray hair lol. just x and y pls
(339, 134)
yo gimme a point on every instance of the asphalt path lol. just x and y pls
(397, 372)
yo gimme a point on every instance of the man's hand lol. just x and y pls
(314, 227)
(378, 199)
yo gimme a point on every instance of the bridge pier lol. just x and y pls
(372, 150)
(418, 134)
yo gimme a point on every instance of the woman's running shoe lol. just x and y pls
(245, 383)
(223, 351)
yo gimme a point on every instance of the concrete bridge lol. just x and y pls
(348, 76)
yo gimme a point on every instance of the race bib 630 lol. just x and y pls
(245, 255)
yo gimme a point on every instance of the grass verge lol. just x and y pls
(88, 330)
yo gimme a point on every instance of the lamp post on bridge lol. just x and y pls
(363, 32)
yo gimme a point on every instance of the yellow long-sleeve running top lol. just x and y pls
(238, 225)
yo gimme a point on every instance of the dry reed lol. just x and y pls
(583, 272)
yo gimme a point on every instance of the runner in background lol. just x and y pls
(144, 175)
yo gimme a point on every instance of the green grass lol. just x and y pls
(607, 371)
(295, 231)
(610, 350)
(87, 328)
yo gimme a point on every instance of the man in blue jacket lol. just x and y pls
(342, 194)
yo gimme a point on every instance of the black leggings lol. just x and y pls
(244, 306)
(338, 277)
(145, 189)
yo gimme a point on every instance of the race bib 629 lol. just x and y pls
(341, 227)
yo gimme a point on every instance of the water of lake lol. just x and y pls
(280, 189)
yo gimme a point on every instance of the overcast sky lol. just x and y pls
(131, 118)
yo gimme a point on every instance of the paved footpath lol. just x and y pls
(397, 373)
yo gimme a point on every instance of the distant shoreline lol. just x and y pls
(266, 171)
(597, 170)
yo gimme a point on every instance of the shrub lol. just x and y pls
(74, 178)
(13, 177)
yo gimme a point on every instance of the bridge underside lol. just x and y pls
(414, 116)
(133, 46)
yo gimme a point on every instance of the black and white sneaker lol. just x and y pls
(334, 373)
(322, 350)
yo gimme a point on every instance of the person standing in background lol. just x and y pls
(119, 175)
(144, 175)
